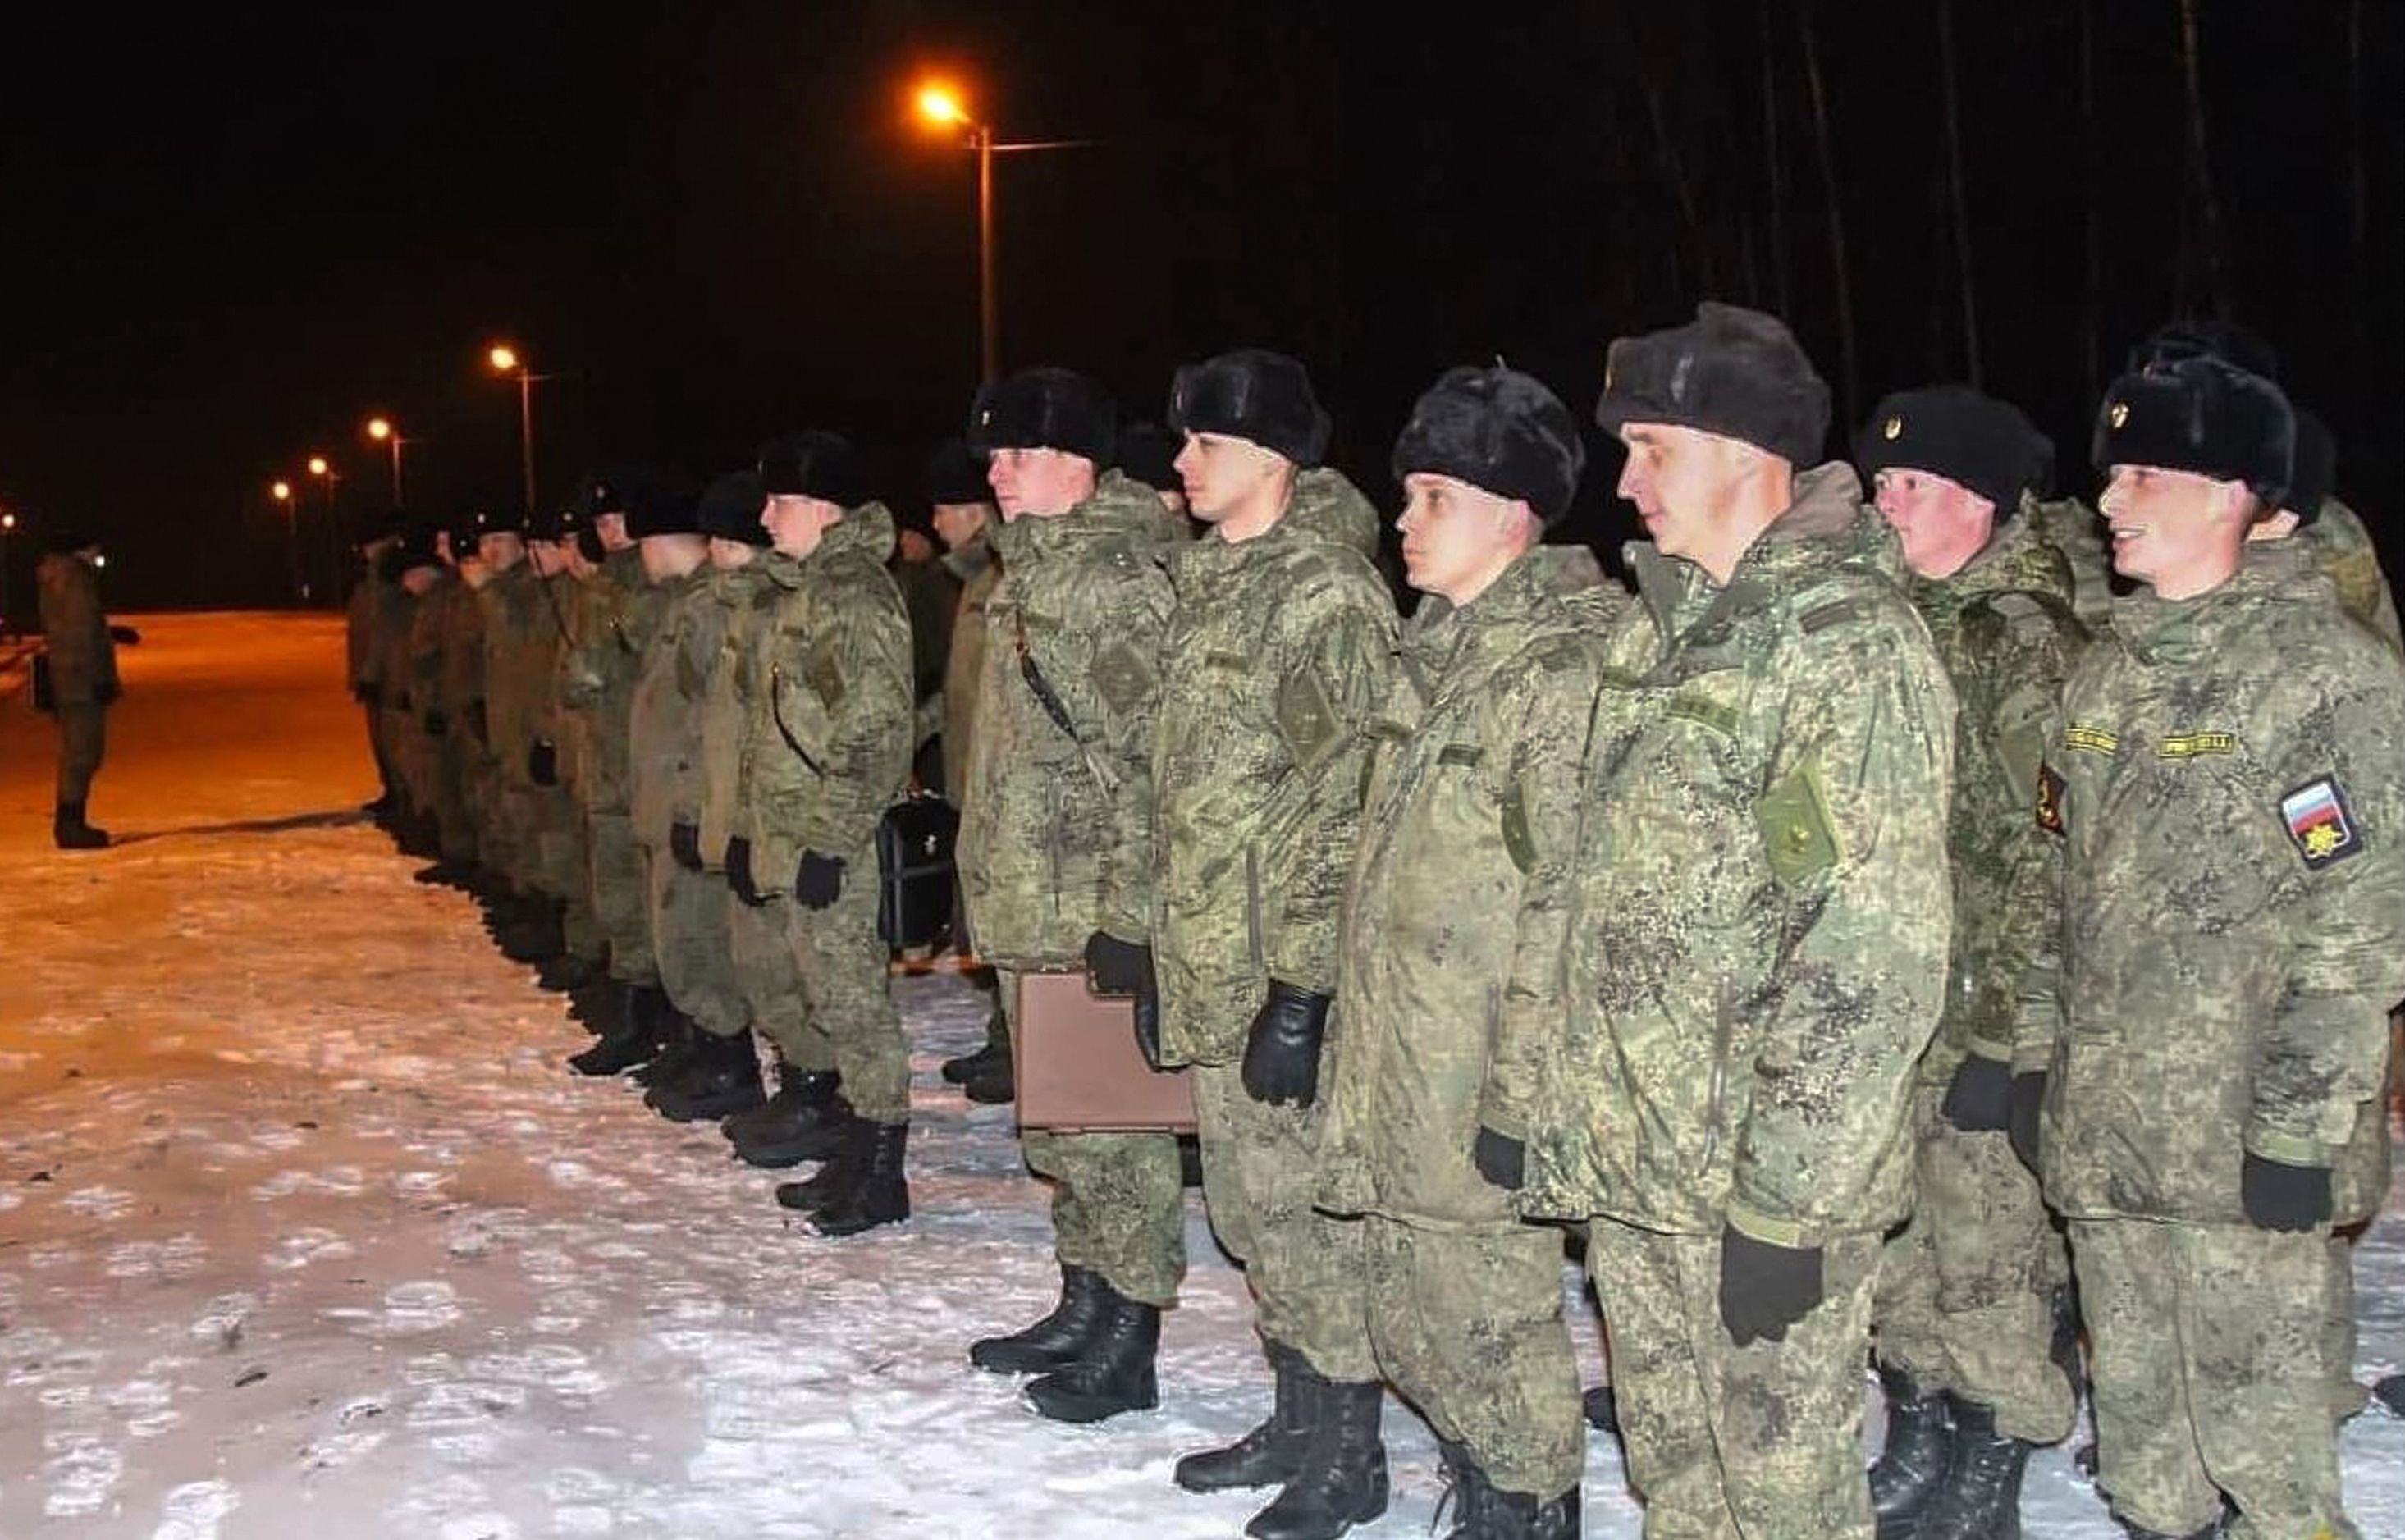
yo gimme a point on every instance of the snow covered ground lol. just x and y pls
(303, 1228)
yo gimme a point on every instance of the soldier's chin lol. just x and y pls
(2130, 558)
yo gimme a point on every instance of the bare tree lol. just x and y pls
(1844, 285)
(1954, 183)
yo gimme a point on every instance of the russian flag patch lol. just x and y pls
(2320, 824)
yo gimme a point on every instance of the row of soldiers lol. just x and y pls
(1823, 929)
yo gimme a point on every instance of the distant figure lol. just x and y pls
(81, 661)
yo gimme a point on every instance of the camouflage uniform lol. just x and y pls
(1453, 924)
(618, 610)
(827, 750)
(975, 566)
(1757, 945)
(83, 669)
(1278, 654)
(362, 615)
(560, 840)
(468, 763)
(2077, 531)
(2224, 781)
(1056, 830)
(1966, 1290)
(516, 671)
(407, 753)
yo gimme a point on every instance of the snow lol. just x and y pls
(302, 1224)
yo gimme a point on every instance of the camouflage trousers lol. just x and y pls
(614, 871)
(379, 745)
(841, 964)
(1468, 1324)
(83, 742)
(455, 820)
(1761, 1442)
(1118, 1200)
(769, 982)
(2208, 1357)
(561, 869)
(687, 913)
(1966, 1290)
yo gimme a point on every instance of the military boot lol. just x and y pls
(679, 1040)
(1113, 1372)
(69, 831)
(1600, 1406)
(968, 1066)
(1271, 1453)
(1910, 1468)
(867, 1186)
(632, 1037)
(534, 934)
(596, 1004)
(2390, 1392)
(1482, 1511)
(565, 972)
(1056, 1339)
(723, 1079)
(1342, 1481)
(806, 1120)
(993, 1084)
(1981, 1496)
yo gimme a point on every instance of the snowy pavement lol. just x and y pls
(303, 1229)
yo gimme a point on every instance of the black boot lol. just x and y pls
(1482, 1511)
(1601, 1408)
(1055, 1338)
(808, 1119)
(868, 1187)
(1114, 1372)
(565, 972)
(1342, 1481)
(968, 1066)
(632, 1037)
(680, 1040)
(1273, 1452)
(993, 1084)
(1910, 1468)
(533, 933)
(69, 831)
(723, 1079)
(1981, 1496)
(2390, 1392)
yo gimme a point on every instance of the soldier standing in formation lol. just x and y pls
(80, 659)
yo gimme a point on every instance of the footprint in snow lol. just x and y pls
(194, 1510)
(105, 1203)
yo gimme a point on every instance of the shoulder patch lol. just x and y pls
(2050, 798)
(1123, 677)
(2320, 823)
(822, 671)
(1307, 719)
(1821, 617)
(1798, 834)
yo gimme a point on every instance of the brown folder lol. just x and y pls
(1079, 1070)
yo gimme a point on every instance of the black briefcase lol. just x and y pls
(45, 697)
(914, 871)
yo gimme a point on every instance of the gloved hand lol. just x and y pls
(739, 872)
(2280, 1196)
(1501, 1160)
(684, 846)
(435, 723)
(818, 881)
(1282, 1053)
(1766, 1289)
(369, 693)
(1115, 967)
(2028, 1100)
(1979, 1099)
(542, 762)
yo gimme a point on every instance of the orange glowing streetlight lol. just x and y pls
(317, 465)
(504, 360)
(383, 432)
(281, 492)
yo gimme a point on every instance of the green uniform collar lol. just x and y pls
(865, 532)
(1120, 510)
(2159, 630)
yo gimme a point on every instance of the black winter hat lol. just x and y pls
(67, 541)
(730, 508)
(2202, 415)
(414, 547)
(2201, 337)
(380, 524)
(1953, 432)
(494, 518)
(1731, 370)
(1148, 453)
(657, 505)
(1044, 409)
(1498, 429)
(2313, 474)
(1256, 395)
(953, 475)
(813, 463)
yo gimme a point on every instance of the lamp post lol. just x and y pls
(282, 493)
(383, 432)
(323, 469)
(8, 527)
(505, 361)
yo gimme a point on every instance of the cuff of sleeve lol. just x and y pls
(1770, 1231)
(1995, 1049)
(2288, 1149)
(1495, 1112)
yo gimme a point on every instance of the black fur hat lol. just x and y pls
(730, 508)
(1953, 432)
(954, 475)
(2201, 337)
(1731, 370)
(2313, 471)
(2203, 415)
(1498, 429)
(603, 491)
(1256, 395)
(1148, 453)
(67, 541)
(1044, 409)
(494, 518)
(660, 505)
(813, 463)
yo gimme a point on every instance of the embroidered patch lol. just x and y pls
(1519, 841)
(1712, 714)
(1798, 836)
(2095, 740)
(2321, 823)
(2188, 746)
(1122, 676)
(822, 671)
(2049, 799)
(1307, 718)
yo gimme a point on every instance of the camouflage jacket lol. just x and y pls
(1446, 1005)
(827, 748)
(728, 684)
(1759, 935)
(1279, 651)
(2343, 548)
(358, 630)
(1056, 822)
(2005, 629)
(75, 632)
(2225, 789)
(392, 655)
(521, 647)
(428, 625)
(2076, 530)
(460, 686)
(663, 712)
(975, 566)
(617, 609)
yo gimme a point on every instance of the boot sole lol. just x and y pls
(1063, 1408)
(1373, 1507)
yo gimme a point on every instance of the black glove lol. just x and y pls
(369, 693)
(1980, 1100)
(2280, 1196)
(818, 881)
(2028, 1100)
(435, 723)
(542, 762)
(1282, 1053)
(1766, 1289)
(1115, 967)
(684, 846)
(125, 636)
(1501, 1160)
(739, 872)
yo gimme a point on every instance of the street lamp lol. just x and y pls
(383, 432)
(282, 493)
(504, 360)
(941, 106)
(8, 527)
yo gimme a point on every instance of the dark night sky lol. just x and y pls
(220, 247)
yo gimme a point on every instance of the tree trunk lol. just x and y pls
(1954, 182)
(1851, 379)
(2200, 166)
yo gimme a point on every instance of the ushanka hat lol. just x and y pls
(1497, 429)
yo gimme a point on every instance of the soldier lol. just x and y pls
(1056, 842)
(409, 567)
(1966, 1309)
(1453, 922)
(1757, 944)
(1279, 651)
(369, 594)
(456, 718)
(2222, 785)
(80, 659)
(526, 921)
(825, 750)
(566, 555)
